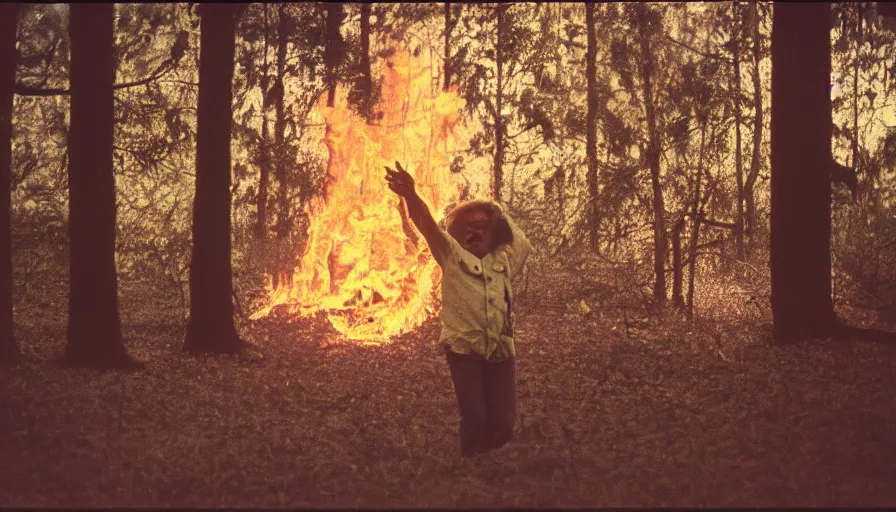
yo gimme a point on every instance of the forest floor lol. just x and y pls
(609, 415)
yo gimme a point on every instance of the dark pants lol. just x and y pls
(486, 396)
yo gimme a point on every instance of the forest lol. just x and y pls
(240, 313)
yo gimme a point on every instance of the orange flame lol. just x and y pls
(360, 265)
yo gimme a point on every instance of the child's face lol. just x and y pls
(474, 232)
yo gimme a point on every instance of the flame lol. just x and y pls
(361, 266)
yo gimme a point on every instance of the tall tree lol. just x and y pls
(210, 327)
(333, 54)
(855, 88)
(647, 27)
(449, 26)
(9, 18)
(801, 126)
(591, 130)
(366, 78)
(696, 217)
(738, 158)
(94, 326)
(499, 97)
(758, 120)
(280, 165)
(265, 156)
(677, 265)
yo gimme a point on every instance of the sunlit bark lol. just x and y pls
(9, 18)
(210, 327)
(94, 327)
(801, 127)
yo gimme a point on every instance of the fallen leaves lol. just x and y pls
(646, 415)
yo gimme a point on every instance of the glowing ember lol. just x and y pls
(361, 265)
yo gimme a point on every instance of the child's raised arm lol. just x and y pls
(402, 184)
(520, 247)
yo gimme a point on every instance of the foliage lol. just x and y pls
(864, 258)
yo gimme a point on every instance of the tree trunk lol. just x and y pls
(677, 270)
(366, 79)
(653, 159)
(738, 158)
(591, 135)
(755, 163)
(9, 19)
(800, 185)
(280, 164)
(265, 160)
(855, 90)
(449, 26)
(696, 215)
(499, 118)
(94, 327)
(210, 327)
(333, 51)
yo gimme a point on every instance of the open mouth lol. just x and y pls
(473, 239)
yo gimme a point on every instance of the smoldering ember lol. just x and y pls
(448, 254)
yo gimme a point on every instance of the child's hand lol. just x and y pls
(400, 181)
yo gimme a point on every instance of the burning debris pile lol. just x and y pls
(364, 264)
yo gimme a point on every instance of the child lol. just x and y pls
(479, 254)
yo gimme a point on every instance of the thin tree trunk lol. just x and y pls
(738, 158)
(855, 85)
(591, 135)
(265, 161)
(333, 51)
(366, 79)
(758, 120)
(210, 327)
(449, 26)
(800, 185)
(280, 166)
(653, 160)
(677, 270)
(94, 327)
(499, 118)
(9, 19)
(695, 227)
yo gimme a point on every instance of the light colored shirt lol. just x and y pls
(477, 296)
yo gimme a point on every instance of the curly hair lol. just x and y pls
(501, 230)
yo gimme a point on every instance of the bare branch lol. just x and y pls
(24, 90)
(704, 54)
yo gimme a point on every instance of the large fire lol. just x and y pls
(364, 266)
